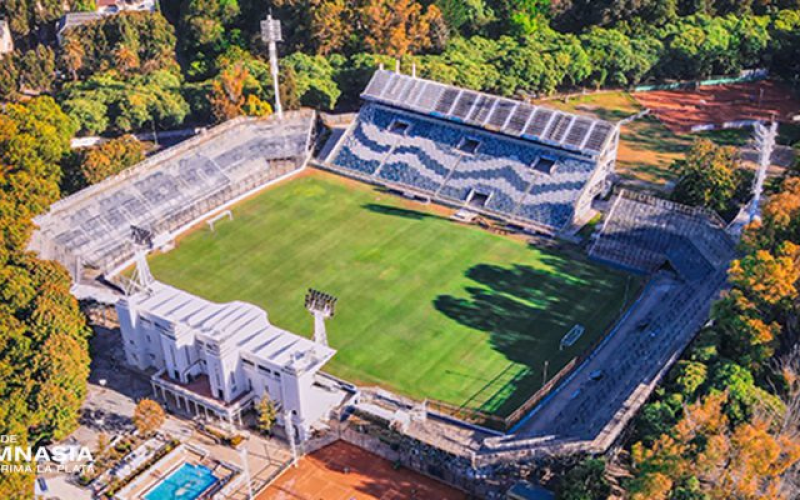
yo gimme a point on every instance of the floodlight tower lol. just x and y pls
(271, 34)
(142, 240)
(321, 306)
(765, 141)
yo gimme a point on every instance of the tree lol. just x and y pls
(397, 28)
(465, 15)
(148, 100)
(44, 361)
(227, 93)
(102, 447)
(72, 56)
(148, 416)
(110, 158)
(205, 26)
(710, 176)
(132, 43)
(316, 86)
(254, 106)
(330, 28)
(586, 481)
(127, 60)
(528, 16)
(768, 279)
(616, 58)
(267, 415)
(90, 114)
(37, 69)
(780, 218)
(288, 88)
(9, 78)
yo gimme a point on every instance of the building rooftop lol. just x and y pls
(72, 19)
(577, 133)
(238, 325)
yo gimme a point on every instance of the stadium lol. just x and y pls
(445, 221)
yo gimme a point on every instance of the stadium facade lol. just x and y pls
(528, 165)
(217, 360)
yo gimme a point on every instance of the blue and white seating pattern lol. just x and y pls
(427, 156)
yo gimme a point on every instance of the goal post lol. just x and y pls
(572, 336)
(227, 214)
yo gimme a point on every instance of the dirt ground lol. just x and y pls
(342, 471)
(680, 110)
(647, 148)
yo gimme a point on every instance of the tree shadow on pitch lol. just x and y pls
(399, 212)
(525, 310)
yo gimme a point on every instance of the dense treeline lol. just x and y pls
(332, 46)
(485, 45)
(44, 360)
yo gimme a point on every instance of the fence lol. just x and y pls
(738, 124)
(751, 75)
(427, 460)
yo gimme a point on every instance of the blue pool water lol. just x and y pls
(186, 483)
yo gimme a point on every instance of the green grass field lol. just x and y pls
(427, 307)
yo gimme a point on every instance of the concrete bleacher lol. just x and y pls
(643, 232)
(427, 155)
(171, 189)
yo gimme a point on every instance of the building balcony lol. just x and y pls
(197, 397)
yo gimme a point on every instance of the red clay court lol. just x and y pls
(682, 109)
(342, 471)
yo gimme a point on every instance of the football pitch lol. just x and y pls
(427, 307)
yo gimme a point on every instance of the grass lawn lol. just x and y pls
(427, 307)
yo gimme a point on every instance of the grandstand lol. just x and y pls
(524, 164)
(171, 190)
(642, 233)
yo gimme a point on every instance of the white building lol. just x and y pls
(6, 42)
(217, 360)
(115, 6)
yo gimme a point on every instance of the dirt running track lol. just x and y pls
(680, 110)
(342, 471)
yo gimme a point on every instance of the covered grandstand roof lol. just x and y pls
(578, 133)
(172, 189)
(234, 324)
(643, 232)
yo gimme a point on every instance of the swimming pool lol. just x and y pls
(186, 483)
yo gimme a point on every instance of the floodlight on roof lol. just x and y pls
(317, 301)
(141, 236)
(321, 305)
